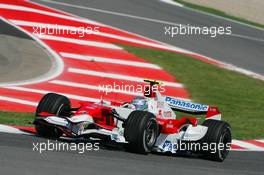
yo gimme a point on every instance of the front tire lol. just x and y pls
(52, 103)
(219, 132)
(141, 131)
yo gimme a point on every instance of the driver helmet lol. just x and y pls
(140, 103)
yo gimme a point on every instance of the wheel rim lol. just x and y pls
(150, 133)
(61, 110)
(225, 139)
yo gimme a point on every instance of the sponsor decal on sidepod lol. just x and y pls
(186, 105)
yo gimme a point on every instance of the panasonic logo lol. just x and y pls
(186, 105)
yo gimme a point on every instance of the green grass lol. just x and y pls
(239, 98)
(20, 119)
(218, 13)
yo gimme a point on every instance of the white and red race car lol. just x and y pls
(146, 124)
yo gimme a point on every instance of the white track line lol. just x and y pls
(32, 10)
(20, 101)
(98, 88)
(76, 97)
(109, 60)
(119, 76)
(241, 70)
(246, 145)
(82, 42)
(262, 140)
(9, 129)
(55, 70)
(171, 2)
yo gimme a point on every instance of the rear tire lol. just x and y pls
(141, 131)
(54, 104)
(219, 132)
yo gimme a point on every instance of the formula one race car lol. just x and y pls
(146, 124)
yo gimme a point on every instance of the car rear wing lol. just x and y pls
(196, 108)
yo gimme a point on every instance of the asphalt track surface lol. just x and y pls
(21, 58)
(18, 157)
(243, 49)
